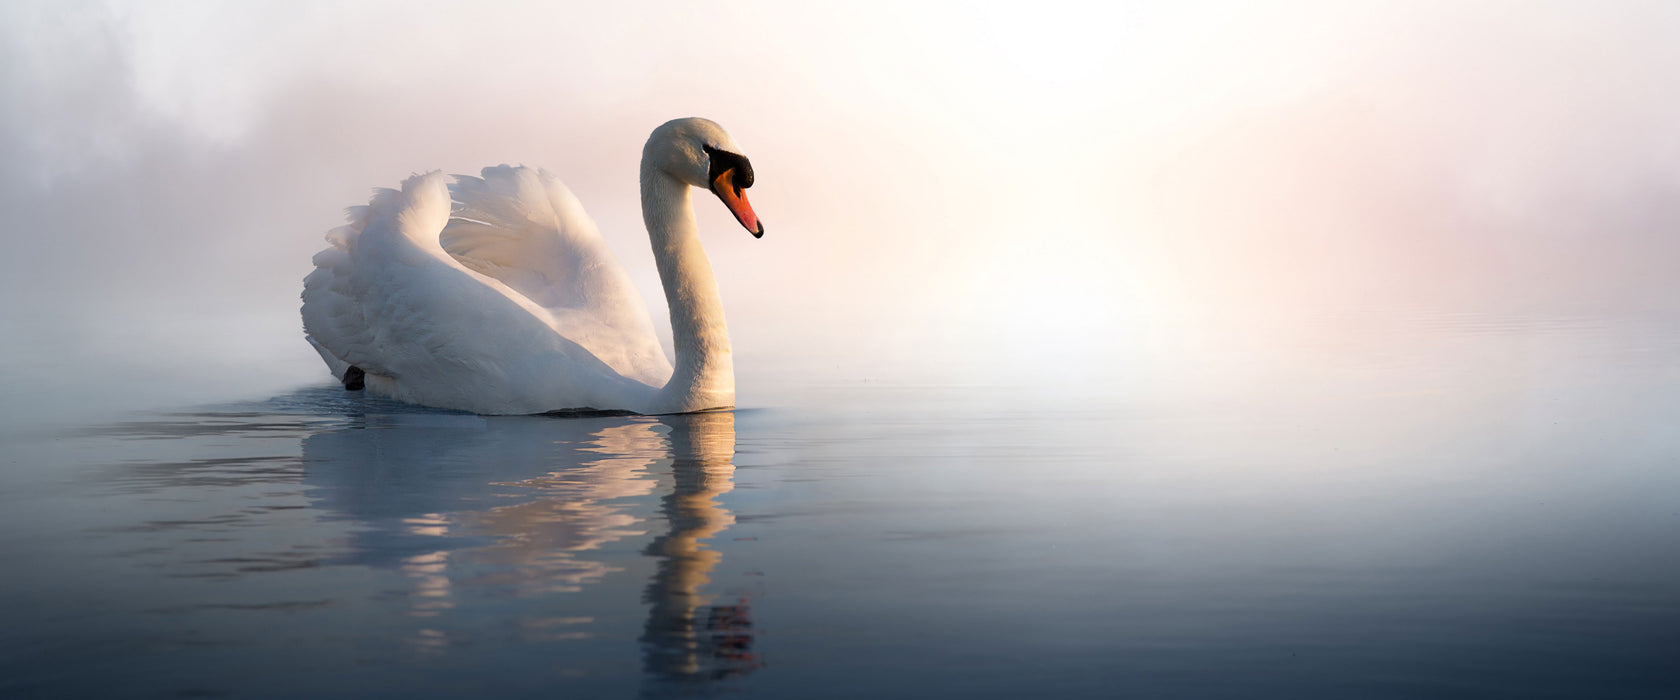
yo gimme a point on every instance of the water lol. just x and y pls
(1472, 508)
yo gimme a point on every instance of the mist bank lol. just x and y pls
(1027, 201)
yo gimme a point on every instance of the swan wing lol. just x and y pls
(524, 228)
(386, 297)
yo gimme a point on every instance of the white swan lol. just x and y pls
(507, 301)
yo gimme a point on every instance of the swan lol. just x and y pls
(497, 295)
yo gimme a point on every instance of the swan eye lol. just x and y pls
(722, 161)
(730, 175)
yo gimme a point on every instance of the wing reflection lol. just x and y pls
(475, 512)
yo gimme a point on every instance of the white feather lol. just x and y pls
(504, 299)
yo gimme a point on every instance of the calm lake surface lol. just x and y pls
(1472, 507)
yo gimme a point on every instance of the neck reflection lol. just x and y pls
(475, 512)
(686, 638)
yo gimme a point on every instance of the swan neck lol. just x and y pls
(704, 375)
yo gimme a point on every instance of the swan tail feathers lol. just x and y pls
(336, 366)
(336, 294)
(357, 216)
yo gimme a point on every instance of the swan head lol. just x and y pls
(700, 153)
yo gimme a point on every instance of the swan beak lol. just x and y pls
(735, 198)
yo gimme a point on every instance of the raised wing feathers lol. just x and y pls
(510, 306)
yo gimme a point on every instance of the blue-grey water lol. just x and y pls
(1471, 508)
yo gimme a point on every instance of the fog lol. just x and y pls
(953, 192)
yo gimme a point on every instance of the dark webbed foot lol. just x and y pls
(354, 379)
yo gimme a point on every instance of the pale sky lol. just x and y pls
(952, 191)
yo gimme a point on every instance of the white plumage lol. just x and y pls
(497, 294)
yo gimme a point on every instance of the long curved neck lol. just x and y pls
(704, 376)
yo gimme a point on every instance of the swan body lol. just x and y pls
(497, 294)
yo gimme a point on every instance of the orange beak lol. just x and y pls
(736, 199)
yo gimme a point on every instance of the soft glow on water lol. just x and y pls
(1474, 506)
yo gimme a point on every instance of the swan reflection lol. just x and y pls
(472, 511)
(677, 642)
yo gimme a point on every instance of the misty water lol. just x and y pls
(1457, 506)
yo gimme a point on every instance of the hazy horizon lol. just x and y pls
(953, 192)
